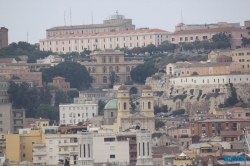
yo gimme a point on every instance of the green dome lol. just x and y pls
(111, 105)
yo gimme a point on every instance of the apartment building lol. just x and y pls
(206, 34)
(103, 40)
(202, 68)
(242, 56)
(102, 63)
(60, 83)
(182, 26)
(213, 127)
(120, 148)
(3, 37)
(11, 119)
(210, 79)
(183, 134)
(116, 22)
(55, 148)
(71, 114)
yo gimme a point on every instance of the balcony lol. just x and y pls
(132, 142)
(18, 117)
(39, 153)
(67, 144)
(132, 150)
(63, 152)
(39, 145)
(39, 161)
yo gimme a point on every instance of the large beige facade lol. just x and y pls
(206, 34)
(103, 40)
(114, 23)
(188, 68)
(242, 56)
(101, 64)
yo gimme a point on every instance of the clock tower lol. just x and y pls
(147, 101)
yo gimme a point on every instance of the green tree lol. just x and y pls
(72, 94)
(141, 72)
(45, 95)
(245, 41)
(159, 124)
(178, 112)
(197, 45)
(74, 73)
(61, 97)
(221, 40)
(47, 111)
(101, 105)
(151, 48)
(112, 79)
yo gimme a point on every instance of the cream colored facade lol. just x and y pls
(103, 40)
(188, 69)
(19, 146)
(242, 56)
(211, 80)
(60, 83)
(219, 52)
(114, 23)
(101, 65)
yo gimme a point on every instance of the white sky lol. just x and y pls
(35, 16)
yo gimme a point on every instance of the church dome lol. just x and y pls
(111, 105)
(122, 87)
(147, 87)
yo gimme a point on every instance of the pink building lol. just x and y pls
(207, 34)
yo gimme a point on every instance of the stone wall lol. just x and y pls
(194, 98)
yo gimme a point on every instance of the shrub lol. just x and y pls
(179, 112)
(191, 91)
(181, 97)
(200, 93)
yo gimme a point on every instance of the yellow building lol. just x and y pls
(219, 52)
(101, 64)
(242, 56)
(19, 146)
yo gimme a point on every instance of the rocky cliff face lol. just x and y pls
(194, 98)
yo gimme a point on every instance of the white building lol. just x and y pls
(56, 148)
(71, 114)
(211, 80)
(117, 148)
(51, 59)
(144, 149)
(103, 40)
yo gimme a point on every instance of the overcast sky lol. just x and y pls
(35, 16)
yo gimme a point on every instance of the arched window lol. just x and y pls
(128, 69)
(132, 67)
(89, 69)
(110, 69)
(117, 79)
(149, 105)
(125, 106)
(104, 79)
(93, 69)
(117, 69)
(104, 69)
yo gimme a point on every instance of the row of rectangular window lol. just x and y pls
(78, 108)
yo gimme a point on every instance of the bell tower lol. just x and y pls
(147, 101)
(123, 103)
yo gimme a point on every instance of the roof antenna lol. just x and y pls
(64, 19)
(70, 17)
(92, 16)
(181, 17)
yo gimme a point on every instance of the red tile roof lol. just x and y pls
(165, 149)
(107, 33)
(6, 60)
(211, 30)
(235, 109)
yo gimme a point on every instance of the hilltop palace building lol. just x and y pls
(114, 32)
